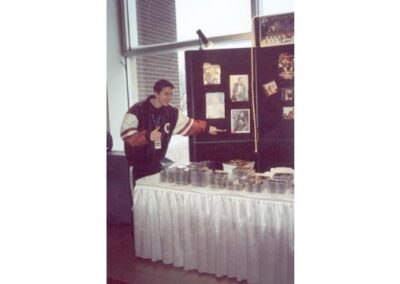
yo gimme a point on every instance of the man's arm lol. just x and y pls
(188, 126)
(133, 137)
(130, 133)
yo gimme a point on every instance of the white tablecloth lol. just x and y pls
(248, 236)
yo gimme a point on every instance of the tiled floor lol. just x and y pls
(124, 267)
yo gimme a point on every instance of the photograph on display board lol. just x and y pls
(288, 112)
(276, 30)
(239, 86)
(270, 88)
(211, 74)
(286, 66)
(287, 94)
(215, 105)
(240, 121)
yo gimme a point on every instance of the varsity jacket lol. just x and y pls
(142, 118)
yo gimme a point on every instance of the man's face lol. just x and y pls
(164, 97)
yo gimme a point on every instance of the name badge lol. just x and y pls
(157, 144)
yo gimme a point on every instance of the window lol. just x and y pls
(150, 22)
(214, 18)
(149, 68)
(271, 7)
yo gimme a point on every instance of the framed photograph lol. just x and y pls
(270, 88)
(215, 105)
(211, 74)
(275, 30)
(286, 66)
(287, 94)
(240, 121)
(288, 112)
(239, 88)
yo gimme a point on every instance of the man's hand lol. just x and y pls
(214, 131)
(155, 135)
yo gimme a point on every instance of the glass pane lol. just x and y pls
(213, 17)
(151, 22)
(272, 7)
(148, 69)
(155, 22)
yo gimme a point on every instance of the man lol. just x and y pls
(148, 126)
(239, 92)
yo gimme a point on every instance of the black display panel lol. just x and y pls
(275, 106)
(211, 76)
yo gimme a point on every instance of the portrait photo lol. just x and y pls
(211, 74)
(287, 94)
(215, 105)
(239, 88)
(288, 112)
(277, 30)
(270, 88)
(286, 66)
(240, 121)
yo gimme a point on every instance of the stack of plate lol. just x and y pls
(195, 177)
(259, 185)
(283, 176)
(231, 181)
(163, 175)
(271, 185)
(221, 180)
(213, 180)
(171, 174)
(284, 181)
(205, 177)
(249, 186)
(218, 179)
(238, 186)
(199, 177)
(182, 175)
(282, 186)
(178, 175)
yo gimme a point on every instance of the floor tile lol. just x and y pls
(194, 276)
(171, 272)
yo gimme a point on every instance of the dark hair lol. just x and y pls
(161, 84)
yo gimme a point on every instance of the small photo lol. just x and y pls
(270, 88)
(215, 105)
(287, 94)
(286, 66)
(288, 113)
(211, 74)
(240, 121)
(277, 30)
(239, 86)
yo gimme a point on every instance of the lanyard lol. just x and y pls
(156, 120)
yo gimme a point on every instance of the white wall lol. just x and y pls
(116, 82)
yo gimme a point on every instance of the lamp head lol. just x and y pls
(207, 43)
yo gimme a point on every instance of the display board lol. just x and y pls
(274, 69)
(219, 90)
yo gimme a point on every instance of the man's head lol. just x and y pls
(163, 92)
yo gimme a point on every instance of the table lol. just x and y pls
(247, 236)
